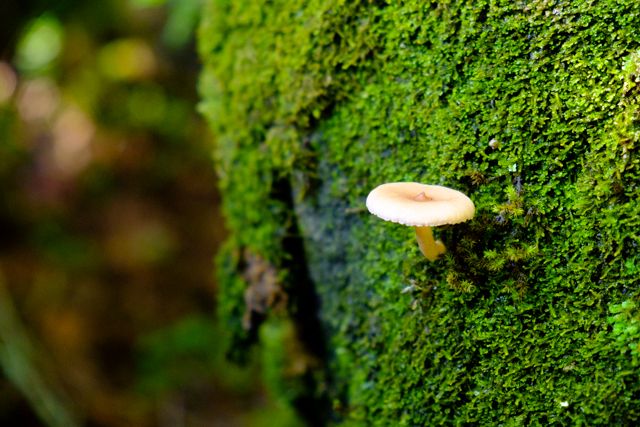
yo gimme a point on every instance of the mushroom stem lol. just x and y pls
(430, 248)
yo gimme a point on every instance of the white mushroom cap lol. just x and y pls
(411, 203)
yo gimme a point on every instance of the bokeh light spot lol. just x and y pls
(38, 99)
(8, 81)
(147, 105)
(40, 44)
(128, 60)
(72, 132)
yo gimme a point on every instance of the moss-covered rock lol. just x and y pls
(531, 108)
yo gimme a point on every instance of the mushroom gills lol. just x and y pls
(430, 248)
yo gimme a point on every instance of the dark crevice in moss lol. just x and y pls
(312, 405)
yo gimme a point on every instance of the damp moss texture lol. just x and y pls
(531, 108)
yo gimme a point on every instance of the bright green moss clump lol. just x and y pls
(530, 108)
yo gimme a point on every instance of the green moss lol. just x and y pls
(530, 108)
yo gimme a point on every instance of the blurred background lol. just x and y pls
(109, 223)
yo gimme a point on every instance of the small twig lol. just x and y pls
(17, 360)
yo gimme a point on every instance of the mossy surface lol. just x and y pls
(530, 108)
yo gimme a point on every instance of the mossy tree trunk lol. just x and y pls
(531, 108)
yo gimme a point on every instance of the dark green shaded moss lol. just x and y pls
(530, 108)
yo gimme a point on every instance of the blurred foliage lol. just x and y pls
(196, 343)
(109, 222)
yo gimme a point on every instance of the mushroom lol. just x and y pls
(421, 206)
